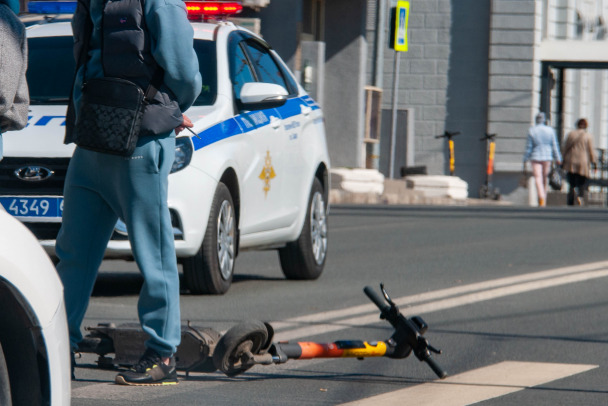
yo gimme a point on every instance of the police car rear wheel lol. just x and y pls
(304, 258)
(210, 271)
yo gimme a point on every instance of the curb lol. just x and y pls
(407, 197)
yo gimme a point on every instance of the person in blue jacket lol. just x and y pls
(101, 188)
(542, 149)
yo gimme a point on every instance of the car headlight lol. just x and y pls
(183, 153)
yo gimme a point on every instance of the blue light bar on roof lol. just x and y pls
(51, 7)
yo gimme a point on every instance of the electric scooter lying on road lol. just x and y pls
(250, 343)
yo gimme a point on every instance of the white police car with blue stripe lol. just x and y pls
(252, 175)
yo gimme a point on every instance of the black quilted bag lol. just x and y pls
(555, 178)
(110, 115)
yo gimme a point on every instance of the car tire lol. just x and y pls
(210, 271)
(304, 258)
(5, 385)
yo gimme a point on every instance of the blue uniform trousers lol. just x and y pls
(99, 189)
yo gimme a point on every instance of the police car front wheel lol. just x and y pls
(304, 258)
(210, 271)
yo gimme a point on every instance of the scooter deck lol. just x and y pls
(126, 342)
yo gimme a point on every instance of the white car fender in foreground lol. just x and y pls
(28, 271)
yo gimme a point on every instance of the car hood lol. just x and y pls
(42, 137)
(44, 133)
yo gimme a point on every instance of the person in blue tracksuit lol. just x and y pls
(101, 188)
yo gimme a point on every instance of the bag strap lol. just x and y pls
(159, 73)
(70, 115)
(155, 83)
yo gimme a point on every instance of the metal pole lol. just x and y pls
(394, 114)
(380, 43)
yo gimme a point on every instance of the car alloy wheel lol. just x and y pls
(304, 258)
(225, 240)
(318, 228)
(210, 271)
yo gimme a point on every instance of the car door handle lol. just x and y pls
(306, 110)
(275, 122)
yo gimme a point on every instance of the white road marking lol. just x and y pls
(477, 385)
(444, 299)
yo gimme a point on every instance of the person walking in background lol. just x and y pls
(14, 95)
(542, 149)
(578, 154)
(130, 40)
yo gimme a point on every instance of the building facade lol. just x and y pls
(473, 66)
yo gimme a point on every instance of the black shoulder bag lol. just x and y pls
(111, 110)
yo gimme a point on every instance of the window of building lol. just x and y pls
(313, 17)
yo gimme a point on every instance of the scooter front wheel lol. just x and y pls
(233, 349)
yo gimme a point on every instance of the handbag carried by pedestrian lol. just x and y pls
(555, 178)
(110, 114)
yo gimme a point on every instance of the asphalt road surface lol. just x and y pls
(516, 298)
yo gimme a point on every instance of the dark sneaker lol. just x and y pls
(149, 371)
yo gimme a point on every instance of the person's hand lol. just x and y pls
(186, 123)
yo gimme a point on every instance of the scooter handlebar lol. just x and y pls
(440, 372)
(374, 297)
(421, 347)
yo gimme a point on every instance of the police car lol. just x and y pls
(34, 343)
(252, 175)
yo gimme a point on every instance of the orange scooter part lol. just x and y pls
(491, 158)
(342, 349)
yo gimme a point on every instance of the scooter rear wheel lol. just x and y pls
(246, 337)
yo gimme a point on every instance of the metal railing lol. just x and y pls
(598, 180)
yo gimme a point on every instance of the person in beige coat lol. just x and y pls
(577, 154)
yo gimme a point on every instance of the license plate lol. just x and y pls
(28, 207)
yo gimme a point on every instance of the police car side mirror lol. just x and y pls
(257, 95)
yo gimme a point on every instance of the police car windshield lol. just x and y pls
(50, 69)
(51, 64)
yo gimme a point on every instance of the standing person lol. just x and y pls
(578, 153)
(14, 95)
(541, 149)
(100, 188)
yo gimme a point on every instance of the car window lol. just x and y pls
(207, 63)
(50, 83)
(266, 68)
(292, 86)
(50, 69)
(240, 71)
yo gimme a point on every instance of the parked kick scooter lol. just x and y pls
(250, 343)
(487, 191)
(449, 136)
